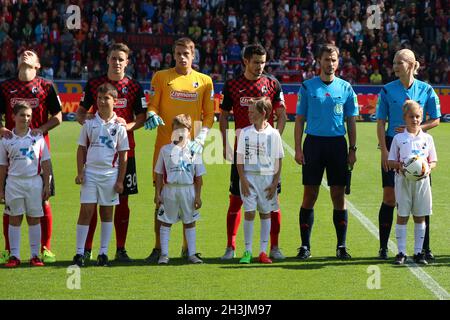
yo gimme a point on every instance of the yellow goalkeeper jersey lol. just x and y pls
(172, 94)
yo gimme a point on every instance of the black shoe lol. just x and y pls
(122, 256)
(428, 254)
(303, 253)
(341, 253)
(383, 254)
(87, 255)
(400, 258)
(154, 256)
(420, 258)
(102, 260)
(78, 260)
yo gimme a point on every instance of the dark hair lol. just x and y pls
(185, 42)
(108, 88)
(119, 47)
(20, 106)
(252, 49)
(328, 48)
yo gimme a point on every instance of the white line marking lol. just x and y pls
(415, 269)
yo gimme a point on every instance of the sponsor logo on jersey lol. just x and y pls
(33, 102)
(121, 103)
(246, 101)
(184, 96)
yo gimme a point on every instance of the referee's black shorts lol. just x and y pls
(388, 178)
(322, 153)
(234, 180)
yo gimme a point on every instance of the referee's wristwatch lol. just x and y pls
(353, 148)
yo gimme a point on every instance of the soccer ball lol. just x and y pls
(415, 168)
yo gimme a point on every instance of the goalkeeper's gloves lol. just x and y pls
(196, 146)
(153, 121)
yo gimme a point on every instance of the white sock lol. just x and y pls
(34, 234)
(400, 234)
(105, 237)
(264, 237)
(419, 234)
(248, 234)
(82, 232)
(164, 236)
(190, 239)
(14, 241)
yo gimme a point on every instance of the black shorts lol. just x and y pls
(388, 178)
(130, 182)
(322, 153)
(234, 180)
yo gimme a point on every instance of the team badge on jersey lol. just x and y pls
(34, 90)
(124, 90)
(195, 84)
(339, 108)
(264, 90)
(151, 91)
(113, 131)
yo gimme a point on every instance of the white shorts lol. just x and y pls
(178, 204)
(258, 197)
(413, 197)
(98, 188)
(24, 196)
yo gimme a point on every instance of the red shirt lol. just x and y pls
(237, 93)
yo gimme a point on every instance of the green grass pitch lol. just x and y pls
(321, 277)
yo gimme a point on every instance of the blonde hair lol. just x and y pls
(411, 105)
(409, 57)
(182, 120)
(263, 105)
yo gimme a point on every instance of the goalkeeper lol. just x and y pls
(179, 90)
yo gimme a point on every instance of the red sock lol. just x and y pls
(5, 230)
(275, 223)
(92, 226)
(121, 220)
(46, 226)
(233, 220)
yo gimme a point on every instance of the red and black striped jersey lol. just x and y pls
(130, 102)
(238, 92)
(39, 93)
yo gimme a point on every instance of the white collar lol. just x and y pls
(99, 119)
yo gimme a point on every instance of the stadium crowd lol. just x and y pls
(291, 31)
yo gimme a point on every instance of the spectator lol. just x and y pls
(375, 77)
